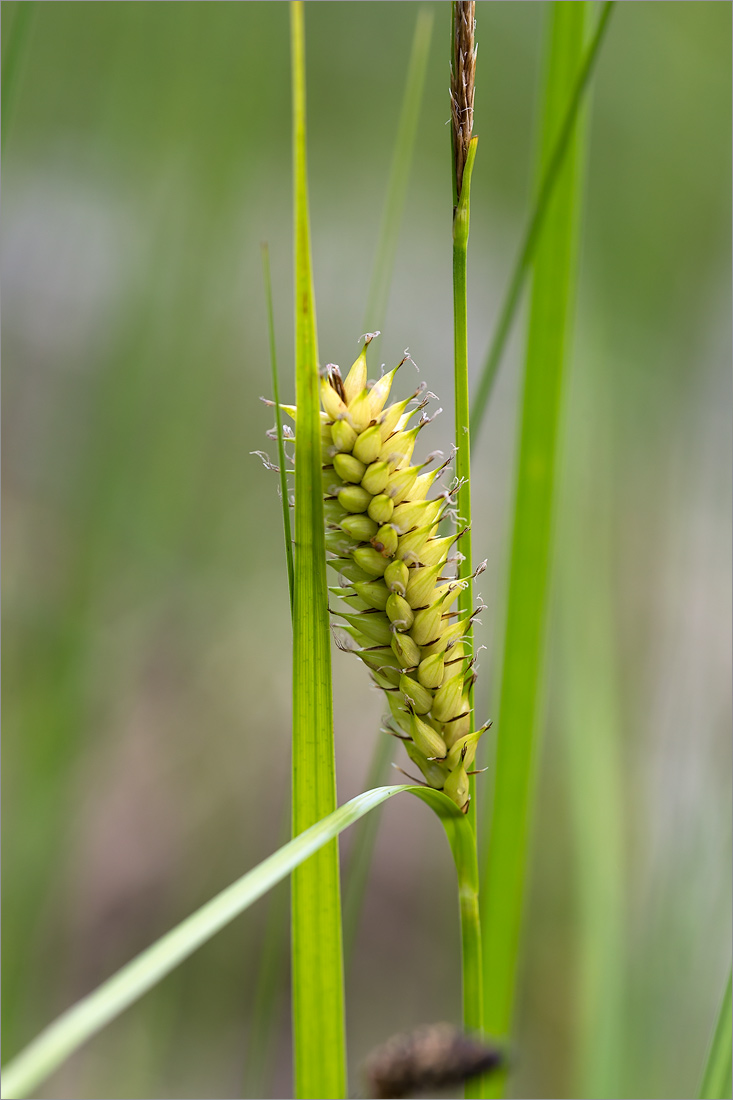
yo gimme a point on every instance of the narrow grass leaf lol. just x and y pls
(386, 251)
(384, 260)
(317, 963)
(521, 683)
(523, 261)
(590, 730)
(23, 1074)
(13, 57)
(716, 1081)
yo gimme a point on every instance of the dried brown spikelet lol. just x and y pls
(432, 1057)
(463, 79)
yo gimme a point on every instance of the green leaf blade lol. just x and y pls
(550, 311)
(85, 1019)
(317, 960)
(716, 1082)
(522, 264)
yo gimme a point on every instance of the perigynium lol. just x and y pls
(384, 545)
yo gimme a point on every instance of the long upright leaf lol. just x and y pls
(363, 843)
(74, 1027)
(590, 731)
(399, 175)
(716, 1081)
(13, 57)
(524, 257)
(550, 312)
(317, 966)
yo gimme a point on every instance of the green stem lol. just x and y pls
(470, 923)
(461, 220)
(471, 951)
(317, 963)
(716, 1081)
(531, 234)
(522, 672)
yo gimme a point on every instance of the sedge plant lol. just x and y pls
(379, 527)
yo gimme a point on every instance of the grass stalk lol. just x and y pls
(57, 1042)
(462, 430)
(317, 963)
(716, 1079)
(521, 682)
(463, 147)
(545, 190)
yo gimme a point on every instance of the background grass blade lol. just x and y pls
(73, 1028)
(278, 421)
(589, 737)
(716, 1081)
(357, 872)
(521, 683)
(12, 62)
(399, 175)
(317, 964)
(529, 241)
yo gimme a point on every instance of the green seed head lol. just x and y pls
(393, 571)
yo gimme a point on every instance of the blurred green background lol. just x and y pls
(147, 660)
